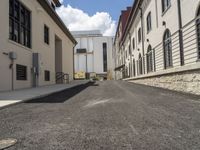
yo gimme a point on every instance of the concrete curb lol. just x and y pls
(40, 96)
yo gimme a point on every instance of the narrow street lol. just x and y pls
(110, 115)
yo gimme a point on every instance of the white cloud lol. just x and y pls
(76, 20)
(61, 1)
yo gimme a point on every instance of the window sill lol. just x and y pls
(19, 45)
(149, 31)
(170, 67)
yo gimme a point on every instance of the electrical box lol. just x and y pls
(13, 55)
(36, 62)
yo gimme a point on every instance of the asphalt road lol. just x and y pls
(110, 115)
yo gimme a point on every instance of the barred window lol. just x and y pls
(167, 44)
(19, 23)
(134, 73)
(149, 59)
(21, 72)
(198, 32)
(140, 67)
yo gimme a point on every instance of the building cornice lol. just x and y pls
(131, 18)
(57, 19)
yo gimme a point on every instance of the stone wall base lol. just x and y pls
(188, 82)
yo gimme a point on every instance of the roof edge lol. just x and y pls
(57, 19)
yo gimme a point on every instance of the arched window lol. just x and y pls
(139, 35)
(133, 43)
(149, 59)
(165, 5)
(149, 27)
(167, 46)
(198, 32)
(134, 73)
(140, 64)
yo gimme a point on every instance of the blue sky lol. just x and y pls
(113, 7)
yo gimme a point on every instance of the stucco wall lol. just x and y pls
(39, 17)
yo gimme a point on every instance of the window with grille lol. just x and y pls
(149, 59)
(21, 72)
(140, 67)
(167, 44)
(47, 75)
(198, 32)
(19, 23)
(134, 73)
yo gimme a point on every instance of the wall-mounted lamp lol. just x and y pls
(164, 23)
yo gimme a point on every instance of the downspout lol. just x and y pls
(74, 62)
(180, 34)
(142, 30)
(131, 61)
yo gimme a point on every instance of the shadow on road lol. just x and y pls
(63, 96)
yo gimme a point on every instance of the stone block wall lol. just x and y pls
(188, 82)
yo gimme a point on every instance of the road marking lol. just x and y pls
(134, 129)
(97, 102)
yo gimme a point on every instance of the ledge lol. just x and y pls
(171, 71)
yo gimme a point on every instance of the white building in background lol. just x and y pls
(93, 53)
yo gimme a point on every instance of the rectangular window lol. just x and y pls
(47, 75)
(46, 34)
(105, 57)
(81, 50)
(21, 72)
(19, 23)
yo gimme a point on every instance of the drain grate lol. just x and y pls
(6, 143)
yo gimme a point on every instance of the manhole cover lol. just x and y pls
(7, 143)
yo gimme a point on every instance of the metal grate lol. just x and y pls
(21, 72)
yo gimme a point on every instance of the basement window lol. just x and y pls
(21, 72)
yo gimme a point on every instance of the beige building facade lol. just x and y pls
(160, 45)
(34, 44)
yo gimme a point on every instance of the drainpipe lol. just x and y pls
(142, 30)
(180, 33)
(131, 61)
(73, 62)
